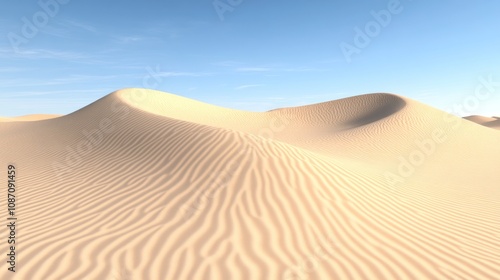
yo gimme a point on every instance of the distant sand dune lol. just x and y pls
(493, 122)
(148, 185)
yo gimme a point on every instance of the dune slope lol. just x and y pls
(147, 185)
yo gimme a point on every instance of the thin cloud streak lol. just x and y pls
(254, 69)
(182, 74)
(74, 79)
(21, 94)
(80, 25)
(272, 69)
(42, 54)
(247, 86)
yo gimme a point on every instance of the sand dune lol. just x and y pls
(479, 119)
(493, 122)
(148, 185)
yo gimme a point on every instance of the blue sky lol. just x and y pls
(251, 55)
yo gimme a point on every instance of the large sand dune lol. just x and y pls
(147, 185)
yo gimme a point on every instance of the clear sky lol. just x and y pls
(57, 56)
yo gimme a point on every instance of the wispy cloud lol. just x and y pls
(182, 74)
(12, 69)
(227, 63)
(79, 25)
(57, 31)
(275, 98)
(21, 94)
(66, 28)
(89, 78)
(47, 54)
(253, 69)
(276, 69)
(72, 79)
(128, 39)
(302, 69)
(239, 66)
(41, 54)
(247, 86)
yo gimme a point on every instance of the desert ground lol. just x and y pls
(143, 184)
